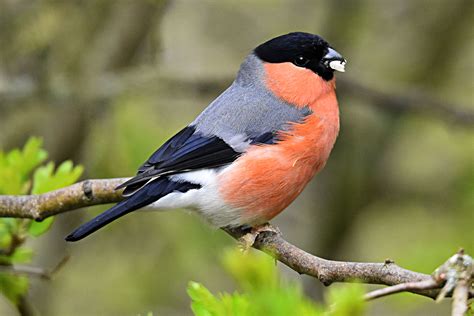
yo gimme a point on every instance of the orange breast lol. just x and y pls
(267, 178)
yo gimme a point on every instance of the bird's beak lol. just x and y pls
(334, 60)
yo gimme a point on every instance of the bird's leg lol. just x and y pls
(246, 241)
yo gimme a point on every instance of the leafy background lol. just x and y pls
(103, 83)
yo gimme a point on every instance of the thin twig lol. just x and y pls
(460, 298)
(26, 270)
(38, 272)
(403, 287)
(458, 272)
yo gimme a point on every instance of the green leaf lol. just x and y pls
(235, 304)
(21, 255)
(16, 167)
(39, 228)
(251, 270)
(346, 299)
(45, 180)
(32, 156)
(13, 287)
(264, 291)
(8, 226)
(202, 300)
(470, 309)
(5, 235)
(204, 303)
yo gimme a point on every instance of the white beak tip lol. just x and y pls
(338, 65)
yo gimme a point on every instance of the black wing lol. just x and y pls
(186, 151)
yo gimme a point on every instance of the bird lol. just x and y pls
(253, 150)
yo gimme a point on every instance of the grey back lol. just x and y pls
(247, 109)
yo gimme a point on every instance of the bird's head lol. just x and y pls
(299, 66)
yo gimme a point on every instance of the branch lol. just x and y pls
(101, 191)
(458, 272)
(460, 299)
(33, 271)
(81, 194)
(427, 284)
(330, 271)
(457, 275)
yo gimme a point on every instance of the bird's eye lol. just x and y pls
(301, 61)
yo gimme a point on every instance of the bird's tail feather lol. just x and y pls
(146, 195)
(98, 222)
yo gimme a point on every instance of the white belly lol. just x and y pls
(206, 201)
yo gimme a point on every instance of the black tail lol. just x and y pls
(146, 195)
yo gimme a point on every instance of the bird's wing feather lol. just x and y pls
(186, 151)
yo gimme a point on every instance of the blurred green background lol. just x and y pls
(105, 82)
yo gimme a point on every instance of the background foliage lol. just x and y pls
(265, 293)
(16, 169)
(105, 82)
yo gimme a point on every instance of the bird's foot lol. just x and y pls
(247, 240)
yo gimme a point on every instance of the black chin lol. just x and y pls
(322, 70)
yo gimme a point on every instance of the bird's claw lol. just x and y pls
(246, 241)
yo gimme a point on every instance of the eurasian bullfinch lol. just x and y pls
(252, 151)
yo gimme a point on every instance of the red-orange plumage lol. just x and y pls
(265, 180)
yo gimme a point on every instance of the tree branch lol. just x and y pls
(101, 191)
(81, 194)
(34, 271)
(330, 271)
(427, 284)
